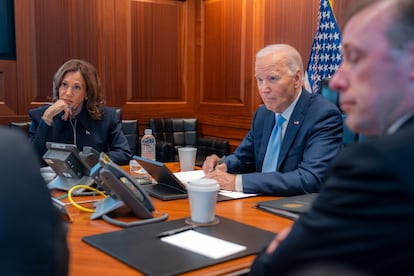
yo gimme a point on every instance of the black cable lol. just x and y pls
(123, 224)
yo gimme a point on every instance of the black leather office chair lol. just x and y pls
(172, 133)
(348, 137)
(23, 126)
(130, 129)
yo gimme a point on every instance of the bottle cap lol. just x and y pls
(148, 131)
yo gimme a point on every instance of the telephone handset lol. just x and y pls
(122, 190)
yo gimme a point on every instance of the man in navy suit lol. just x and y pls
(32, 234)
(312, 133)
(363, 218)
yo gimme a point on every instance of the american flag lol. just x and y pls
(325, 56)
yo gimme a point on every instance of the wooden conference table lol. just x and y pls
(87, 260)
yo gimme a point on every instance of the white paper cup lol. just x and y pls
(187, 157)
(202, 194)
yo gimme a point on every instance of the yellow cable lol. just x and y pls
(76, 204)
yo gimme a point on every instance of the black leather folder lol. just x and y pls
(290, 207)
(142, 249)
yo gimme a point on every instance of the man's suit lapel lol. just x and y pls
(296, 120)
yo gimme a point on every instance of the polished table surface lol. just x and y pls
(87, 260)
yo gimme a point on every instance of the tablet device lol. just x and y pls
(168, 186)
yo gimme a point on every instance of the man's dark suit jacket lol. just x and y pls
(32, 234)
(363, 217)
(103, 135)
(313, 137)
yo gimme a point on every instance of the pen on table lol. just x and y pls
(220, 161)
(175, 231)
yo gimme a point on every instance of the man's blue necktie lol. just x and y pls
(273, 147)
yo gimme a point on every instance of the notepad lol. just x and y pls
(202, 244)
(188, 176)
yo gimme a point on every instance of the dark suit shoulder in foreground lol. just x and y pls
(32, 235)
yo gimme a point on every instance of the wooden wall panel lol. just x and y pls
(108, 66)
(157, 55)
(51, 44)
(25, 61)
(113, 60)
(85, 30)
(8, 88)
(222, 52)
(225, 78)
(65, 29)
(292, 22)
(160, 54)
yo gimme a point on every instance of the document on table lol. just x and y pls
(204, 244)
(235, 194)
(188, 176)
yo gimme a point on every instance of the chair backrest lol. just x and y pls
(348, 137)
(172, 133)
(23, 126)
(130, 129)
(208, 146)
(118, 113)
(178, 131)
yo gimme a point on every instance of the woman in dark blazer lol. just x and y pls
(77, 116)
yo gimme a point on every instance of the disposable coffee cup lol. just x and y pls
(187, 156)
(202, 194)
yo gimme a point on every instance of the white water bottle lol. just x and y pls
(148, 145)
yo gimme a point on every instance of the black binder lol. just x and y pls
(140, 248)
(289, 207)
